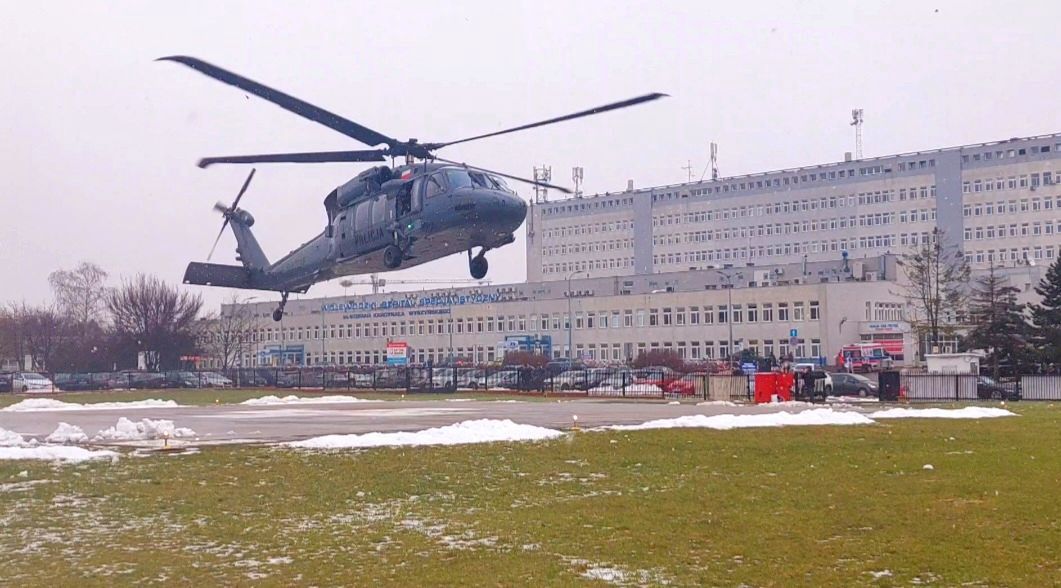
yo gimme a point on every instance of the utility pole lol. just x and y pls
(728, 279)
(323, 334)
(570, 319)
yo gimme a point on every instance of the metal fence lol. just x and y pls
(612, 382)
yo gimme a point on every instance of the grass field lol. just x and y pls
(203, 396)
(806, 506)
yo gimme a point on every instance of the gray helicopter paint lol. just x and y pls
(453, 221)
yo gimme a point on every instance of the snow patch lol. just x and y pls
(67, 433)
(46, 404)
(475, 431)
(276, 400)
(820, 416)
(716, 403)
(127, 430)
(969, 412)
(10, 438)
(13, 446)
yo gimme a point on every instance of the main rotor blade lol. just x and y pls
(509, 176)
(310, 157)
(242, 190)
(222, 232)
(591, 111)
(285, 101)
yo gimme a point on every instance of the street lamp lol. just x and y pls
(728, 278)
(570, 320)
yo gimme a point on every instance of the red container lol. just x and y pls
(768, 384)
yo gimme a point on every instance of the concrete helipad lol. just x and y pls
(245, 423)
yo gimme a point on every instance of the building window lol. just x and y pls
(815, 310)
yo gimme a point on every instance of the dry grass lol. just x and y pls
(811, 506)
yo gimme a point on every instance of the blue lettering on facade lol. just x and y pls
(434, 301)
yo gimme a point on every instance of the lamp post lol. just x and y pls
(323, 333)
(570, 319)
(728, 278)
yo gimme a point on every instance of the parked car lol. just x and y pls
(822, 385)
(5, 381)
(559, 366)
(141, 380)
(75, 382)
(443, 379)
(214, 380)
(503, 379)
(661, 377)
(853, 385)
(687, 384)
(182, 380)
(29, 382)
(990, 389)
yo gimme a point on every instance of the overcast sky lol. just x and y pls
(99, 142)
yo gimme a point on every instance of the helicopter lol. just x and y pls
(386, 217)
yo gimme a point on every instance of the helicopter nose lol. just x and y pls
(514, 210)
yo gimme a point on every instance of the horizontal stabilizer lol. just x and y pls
(213, 274)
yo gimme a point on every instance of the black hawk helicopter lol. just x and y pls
(384, 218)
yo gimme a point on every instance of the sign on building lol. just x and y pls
(398, 353)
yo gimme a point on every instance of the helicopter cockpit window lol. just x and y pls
(481, 180)
(433, 186)
(458, 178)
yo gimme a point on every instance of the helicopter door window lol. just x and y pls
(412, 192)
(433, 186)
(379, 211)
(362, 216)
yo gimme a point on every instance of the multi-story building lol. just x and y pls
(1000, 202)
(808, 310)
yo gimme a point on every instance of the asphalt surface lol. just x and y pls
(237, 423)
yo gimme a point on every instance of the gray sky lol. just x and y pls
(100, 142)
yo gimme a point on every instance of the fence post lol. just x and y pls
(957, 387)
(623, 379)
(407, 388)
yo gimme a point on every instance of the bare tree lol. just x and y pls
(37, 332)
(151, 316)
(231, 332)
(81, 293)
(937, 279)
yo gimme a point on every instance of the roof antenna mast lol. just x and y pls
(856, 121)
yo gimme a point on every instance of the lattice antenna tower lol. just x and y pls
(542, 174)
(714, 161)
(576, 177)
(856, 121)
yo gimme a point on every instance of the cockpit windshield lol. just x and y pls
(458, 178)
(489, 182)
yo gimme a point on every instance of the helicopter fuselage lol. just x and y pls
(425, 211)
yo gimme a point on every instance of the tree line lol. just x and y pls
(94, 326)
(984, 312)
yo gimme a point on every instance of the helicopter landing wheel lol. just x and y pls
(478, 266)
(278, 314)
(392, 257)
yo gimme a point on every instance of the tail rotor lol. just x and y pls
(228, 211)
